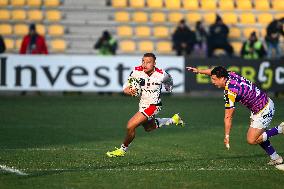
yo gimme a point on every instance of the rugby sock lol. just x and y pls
(160, 122)
(269, 149)
(271, 132)
(124, 147)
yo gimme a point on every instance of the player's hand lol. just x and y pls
(194, 70)
(169, 88)
(227, 142)
(132, 91)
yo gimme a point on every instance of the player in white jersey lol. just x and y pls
(150, 80)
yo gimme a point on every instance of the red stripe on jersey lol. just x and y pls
(150, 110)
(139, 68)
(159, 70)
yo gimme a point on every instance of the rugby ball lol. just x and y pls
(135, 83)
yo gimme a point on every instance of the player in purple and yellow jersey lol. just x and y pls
(239, 89)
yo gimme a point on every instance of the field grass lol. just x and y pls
(61, 141)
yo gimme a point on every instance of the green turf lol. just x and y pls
(61, 143)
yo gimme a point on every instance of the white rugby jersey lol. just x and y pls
(151, 85)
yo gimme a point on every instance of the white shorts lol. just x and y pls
(262, 119)
(150, 111)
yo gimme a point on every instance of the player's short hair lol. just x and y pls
(220, 71)
(150, 55)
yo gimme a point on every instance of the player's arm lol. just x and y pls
(199, 71)
(228, 120)
(129, 91)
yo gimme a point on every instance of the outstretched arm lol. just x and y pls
(195, 70)
(228, 125)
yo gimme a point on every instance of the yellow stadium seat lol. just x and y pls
(237, 46)
(34, 3)
(17, 3)
(209, 18)
(262, 5)
(264, 18)
(145, 46)
(124, 31)
(122, 16)
(158, 17)
(247, 18)
(230, 18)
(143, 31)
(35, 15)
(175, 17)
(208, 4)
(247, 31)
(137, 3)
(262, 32)
(21, 29)
(51, 3)
(244, 4)
(5, 29)
(58, 45)
(235, 33)
(155, 4)
(40, 29)
(277, 5)
(55, 30)
(279, 15)
(173, 4)
(4, 15)
(191, 4)
(127, 46)
(18, 44)
(226, 5)
(19, 15)
(53, 15)
(161, 32)
(140, 17)
(193, 17)
(4, 3)
(9, 43)
(164, 47)
(119, 3)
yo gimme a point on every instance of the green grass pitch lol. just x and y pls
(61, 141)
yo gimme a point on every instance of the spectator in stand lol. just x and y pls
(273, 32)
(253, 48)
(183, 39)
(106, 44)
(33, 43)
(2, 45)
(218, 38)
(201, 38)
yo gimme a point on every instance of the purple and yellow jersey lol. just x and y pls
(239, 89)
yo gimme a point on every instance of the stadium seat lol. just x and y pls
(191, 4)
(18, 43)
(208, 5)
(140, 17)
(127, 46)
(226, 5)
(164, 47)
(21, 29)
(143, 31)
(261, 5)
(4, 15)
(5, 29)
(175, 17)
(277, 5)
(278, 15)
(137, 3)
(247, 18)
(230, 18)
(145, 46)
(237, 46)
(58, 45)
(9, 43)
(170, 4)
(209, 18)
(19, 15)
(192, 18)
(40, 29)
(264, 18)
(34, 3)
(4, 3)
(35, 15)
(119, 3)
(124, 31)
(248, 30)
(262, 33)
(17, 3)
(244, 4)
(155, 4)
(55, 30)
(161, 32)
(51, 3)
(122, 16)
(158, 17)
(53, 15)
(235, 33)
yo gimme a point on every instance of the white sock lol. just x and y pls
(123, 147)
(274, 156)
(163, 121)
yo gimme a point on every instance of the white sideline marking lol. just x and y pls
(50, 149)
(12, 170)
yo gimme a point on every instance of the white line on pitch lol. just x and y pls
(12, 170)
(50, 149)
